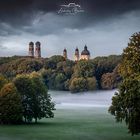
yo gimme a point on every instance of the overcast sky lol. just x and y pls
(105, 26)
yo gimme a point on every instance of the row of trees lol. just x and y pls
(61, 74)
(23, 99)
(68, 75)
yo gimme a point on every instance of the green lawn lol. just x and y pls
(70, 124)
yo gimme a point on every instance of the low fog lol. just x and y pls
(65, 99)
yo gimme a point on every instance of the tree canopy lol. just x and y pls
(58, 73)
(10, 105)
(126, 103)
(35, 100)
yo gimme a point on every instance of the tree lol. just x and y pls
(51, 63)
(60, 81)
(91, 83)
(20, 65)
(84, 69)
(111, 80)
(131, 57)
(36, 101)
(29, 65)
(25, 87)
(105, 65)
(10, 105)
(78, 85)
(49, 78)
(42, 105)
(3, 81)
(126, 104)
(66, 67)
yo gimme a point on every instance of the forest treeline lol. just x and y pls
(61, 74)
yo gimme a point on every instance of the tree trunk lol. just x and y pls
(35, 120)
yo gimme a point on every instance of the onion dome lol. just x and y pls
(76, 49)
(65, 50)
(31, 43)
(85, 51)
(38, 43)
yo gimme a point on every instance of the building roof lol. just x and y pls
(38, 43)
(64, 50)
(31, 43)
(85, 51)
(76, 49)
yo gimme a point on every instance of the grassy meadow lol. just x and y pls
(84, 123)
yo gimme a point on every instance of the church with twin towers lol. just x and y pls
(36, 52)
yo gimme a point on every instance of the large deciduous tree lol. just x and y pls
(126, 103)
(25, 87)
(42, 105)
(35, 100)
(10, 105)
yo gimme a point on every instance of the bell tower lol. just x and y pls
(31, 49)
(65, 54)
(38, 49)
(76, 56)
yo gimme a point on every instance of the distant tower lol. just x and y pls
(38, 50)
(76, 57)
(65, 54)
(31, 49)
(85, 55)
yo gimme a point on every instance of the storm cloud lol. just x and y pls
(23, 13)
(105, 26)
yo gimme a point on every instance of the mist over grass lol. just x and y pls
(99, 98)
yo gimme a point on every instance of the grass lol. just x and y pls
(71, 124)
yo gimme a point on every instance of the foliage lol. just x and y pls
(42, 101)
(66, 67)
(4, 60)
(35, 100)
(126, 104)
(58, 72)
(25, 87)
(78, 85)
(83, 84)
(131, 57)
(60, 81)
(20, 66)
(3, 81)
(84, 69)
(51, 63)
(10, 105)
(91, 83)
(105, 65)
(111, 80)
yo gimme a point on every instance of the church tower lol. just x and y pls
(85, 54)
(31, 49)
(38, 50)
(76, 57)
(65, 54)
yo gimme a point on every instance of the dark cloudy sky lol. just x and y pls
(104, 26)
